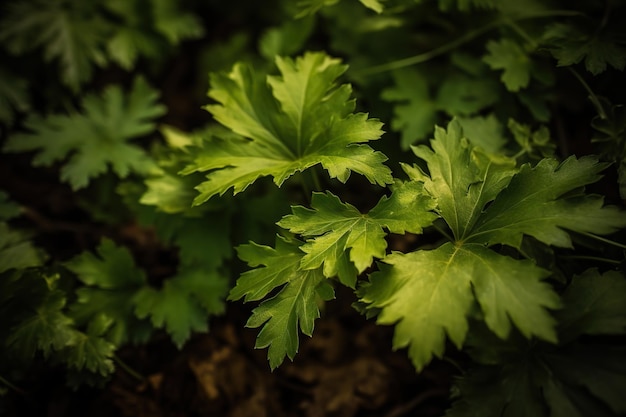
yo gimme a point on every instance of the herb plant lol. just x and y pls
(487, 137)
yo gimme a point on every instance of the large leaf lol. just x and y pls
(288, 123)
(428, 295)
(485, 201)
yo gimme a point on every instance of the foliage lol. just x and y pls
(502, 172)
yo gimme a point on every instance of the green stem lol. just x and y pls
(593, 258)
(592, 96)
(130, 371)
(426, 56)
(15, 388)
(605, 240)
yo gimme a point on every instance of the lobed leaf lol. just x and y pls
(96, 138)
(346, 241)
(428, 296)
(287, 124)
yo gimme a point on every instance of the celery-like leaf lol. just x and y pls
(111, 282)
(485, 201)
(96, 138)
(346, 241)
(288, 123)
(295, 306)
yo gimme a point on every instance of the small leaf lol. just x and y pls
(95, 139)
(346, 241)
(510, 57)
(172, 308)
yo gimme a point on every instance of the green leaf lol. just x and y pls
(96, 138)
(13, 96)
(290, 123)
(428, 295)
(173, 308)
(538, 380)
(91, 350)
(295, 306)
(536, 144)
(8, 209)
(336, 229)
(70, 33)
(287, 39)
(485, 132)
(536, 204)
(373, 4)
(510, 57)
(111, 282)
(595, 305)
(571, 44)
(485, 201)
(47, 328)
(16, 250)
(415, 114)
(462, 180)
(175, 24)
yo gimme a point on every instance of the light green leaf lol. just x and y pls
(510, 57)
(295, 306)
(535, 204)
(280, 265)
(288, 123)
(373, 4)
(96, 138)
(462, 179)
(428, 295)
(486, 132)
(340, 236)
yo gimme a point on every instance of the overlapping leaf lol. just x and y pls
(346, 241)
(181, 305)
(485, 201)
(111, 282)
(293, 307)
(571, 379)
(71, 33)
(97, 138)
(287, 124)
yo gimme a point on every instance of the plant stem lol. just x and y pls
(15, 388)
(592, 96)
(130, 371)
(426, 56)
(593, 258)
(605, 240)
